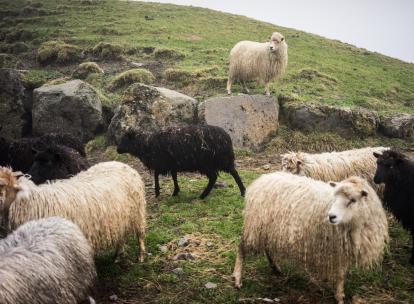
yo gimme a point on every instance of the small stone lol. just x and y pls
(276, 300)
(183, 242)
(221, 185)
(183, 256)
(210, 285)
(209, 244)
(266, 167)
(149, 254)
(267, 300)
(113, 298)
(178, 271)
(136, 64)
(163, 248)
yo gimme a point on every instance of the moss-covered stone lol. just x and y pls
(129, 77)
(85, 69)
(58, 51)
(105, 50)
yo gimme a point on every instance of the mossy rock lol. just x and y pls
(85, 69)
(168, 54)
(105, 50)
(129, 77)
(58, 51)
(36, 78)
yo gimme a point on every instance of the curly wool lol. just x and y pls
(107, 202)
(334, 166)
(46, 261)
(286, 216)
(251, 60)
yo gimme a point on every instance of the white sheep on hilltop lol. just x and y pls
(307, 222)
(46, 261)
(334, 166)
(263, 62)
(107, 202)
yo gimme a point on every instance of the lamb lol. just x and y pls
(46, 261)
(397, 173)
(107, 202)
(307, 222)
(203, 148)
(263, 62)
(56, 162)
(334, 166)
(19, 153)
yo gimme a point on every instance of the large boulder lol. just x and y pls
(346, 122)
(15, 104)
(73, 107)
(400, 126)
(151, 108)
(250, 120)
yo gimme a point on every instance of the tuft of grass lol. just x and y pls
(8, 61)
(168, 54)
(85, 69)
(58, 51)
(36, 78)
(105, 50)
(130, 77)
(178, 75)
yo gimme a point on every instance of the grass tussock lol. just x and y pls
(168, 54)
(8, 61)
(85, 69)
(130, 77)
(36, 78)
(104, 50)
(311, 74)
(59, 52)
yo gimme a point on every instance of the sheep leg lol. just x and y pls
(236, 177)
(157, 184)
(245, 88)
(267, 89)
(119, 252)
(211, 181)
(176, 187)
(141, 246)
(340, 295)
(229, 84)
(238, 267)
(275, 267)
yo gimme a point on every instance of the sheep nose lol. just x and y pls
(332, 218)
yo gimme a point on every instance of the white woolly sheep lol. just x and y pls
(107, 202)
(334, 166)
(286, 217)
(263, 62)
(46, 261)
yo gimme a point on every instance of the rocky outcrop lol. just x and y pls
(399, 125)
(15, 105)
(344, 121)
(249, 119)
(73, 107)
(151, 108)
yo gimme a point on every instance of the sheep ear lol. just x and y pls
(299, 162)
(332, 184)
(364, 193)
(23, 192)
(376, 154)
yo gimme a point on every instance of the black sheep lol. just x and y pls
(397, 173)
(56, 162)
(19, 153)
(203, 148)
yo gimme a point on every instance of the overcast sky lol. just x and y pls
(384, 26)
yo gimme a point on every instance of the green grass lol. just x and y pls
(190, 39)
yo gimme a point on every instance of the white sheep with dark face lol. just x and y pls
(263, 62)
(324, 228)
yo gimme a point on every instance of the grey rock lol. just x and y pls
(210, 285)
(183, 242)
(151, 108)
(163, 249)
(400, 126)
(184, 256)
(15, 105)
(113, 298)
(317, 117)
(178, 271)
(209, 244)
(266, 167)
(73, 106)
(250, 120)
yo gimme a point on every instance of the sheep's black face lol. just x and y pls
(387, 166)
(46, 166)
(126, 144)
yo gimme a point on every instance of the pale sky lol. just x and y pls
(384, 26)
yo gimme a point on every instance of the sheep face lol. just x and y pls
(387, 166)
(292, 163)
(348, 202)
(46, 166)
(132, 142)
(275, 41)
(9, 188)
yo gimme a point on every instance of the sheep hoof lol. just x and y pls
(141, 259)
(238, 285)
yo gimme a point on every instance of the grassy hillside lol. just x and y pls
(320, 70)
(187, 48)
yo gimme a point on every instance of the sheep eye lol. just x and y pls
(282, 39)
(352, 200)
